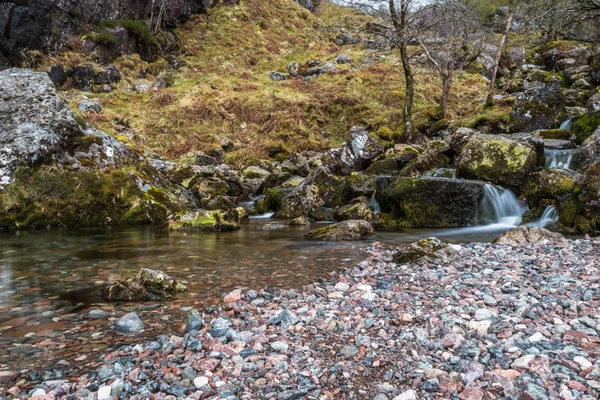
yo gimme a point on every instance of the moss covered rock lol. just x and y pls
(589, 152)
(204, 221)
(354, 211)
(590, 196)
(346, 230)
(253, 179)
(433, 157)
(585, 125)
(361, 185)
(430, 250)
(496, 159)
(431, 202)
(149, 285)
(539, 108)
(551, 184)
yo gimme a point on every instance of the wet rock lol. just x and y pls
(253, 179)
(204, 221)
(129, 323)
(324, 214)
(589, 151)
(431, 202)
(149, 285)
(195, 322)
(36, 123)
(346, 230)
(497, 160)
(524, 234)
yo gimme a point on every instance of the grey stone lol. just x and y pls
(129, 323)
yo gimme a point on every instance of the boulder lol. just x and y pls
(58, 75)
(354, 211)
(585, 125)
(590, 198)
(293, 68)
(277, 76)
(496, 159)
(433, 157)
(110, 74)
(344, 39)
(589, 152)
(327, 68)
(538, 108)
(35, 123)
(526, 234)
(346, 230)
(430, 250)
(82, 77)
(550, 184)
(432, 202)
(148, 285)
(340, 161)
(253, 179)
(319, 189)
(593, 103)
(365, 148)
(343, 59)
(89, 106)
(361, 185)
(322, 214)
(204, 221)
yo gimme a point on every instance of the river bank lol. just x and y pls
(494, 320)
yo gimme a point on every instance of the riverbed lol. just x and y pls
(49, 280)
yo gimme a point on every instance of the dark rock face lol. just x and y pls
(111, 74)
(45, 25)
(149, 285)
(82, 77)
(35, 123)
(538, 108)
(432, 202)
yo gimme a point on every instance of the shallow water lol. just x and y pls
(39, 324)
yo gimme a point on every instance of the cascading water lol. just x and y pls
(566, 125)
(549, 215)
(559, 158)
(374, 205)
(505, 208)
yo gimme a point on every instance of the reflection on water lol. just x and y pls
(38, 268)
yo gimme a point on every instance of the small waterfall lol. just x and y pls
(374, 205)
(549, 215)
(449, 173)
(263, 216)
(559, 158)
(506, 208)
(566, 125)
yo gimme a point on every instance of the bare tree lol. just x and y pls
(508, 24)
(447, 41)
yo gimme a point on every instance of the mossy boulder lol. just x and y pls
(204, 221)
(238, 214)
(585, 125)
(319, 189)
(431, 202)
(354, 211)
(560, 134)
(149, 285)
(361, 184)
(537, 109)
(551, 184)
(253, 179)
(496, 159)
(390, 166)
(46, 196)
(434, 156)
(346, 230)
(274, 196)
(429, 250)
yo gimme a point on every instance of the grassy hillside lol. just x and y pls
(224, 93)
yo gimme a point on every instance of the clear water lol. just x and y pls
(566, 124)
(560, 159)
(449, 173)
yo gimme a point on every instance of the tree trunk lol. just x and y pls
(409, 90)
(490, 98)
(446, 87)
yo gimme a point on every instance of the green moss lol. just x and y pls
(204, 221)
(137, 28)
(103, 36)
(585, 125)
(47, 196)
(568, 210)
(562, 134)
(273, 198)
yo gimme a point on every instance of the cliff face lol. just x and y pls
(46, 25)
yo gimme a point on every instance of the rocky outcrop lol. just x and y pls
(35, 123)
(538, 108)
(346, 230)
(550, 184)
(589, 152)
(356, 155)
(431, 202)
(496, 159)
(148, 285)
(524, 235)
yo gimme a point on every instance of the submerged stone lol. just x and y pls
(149, 285)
